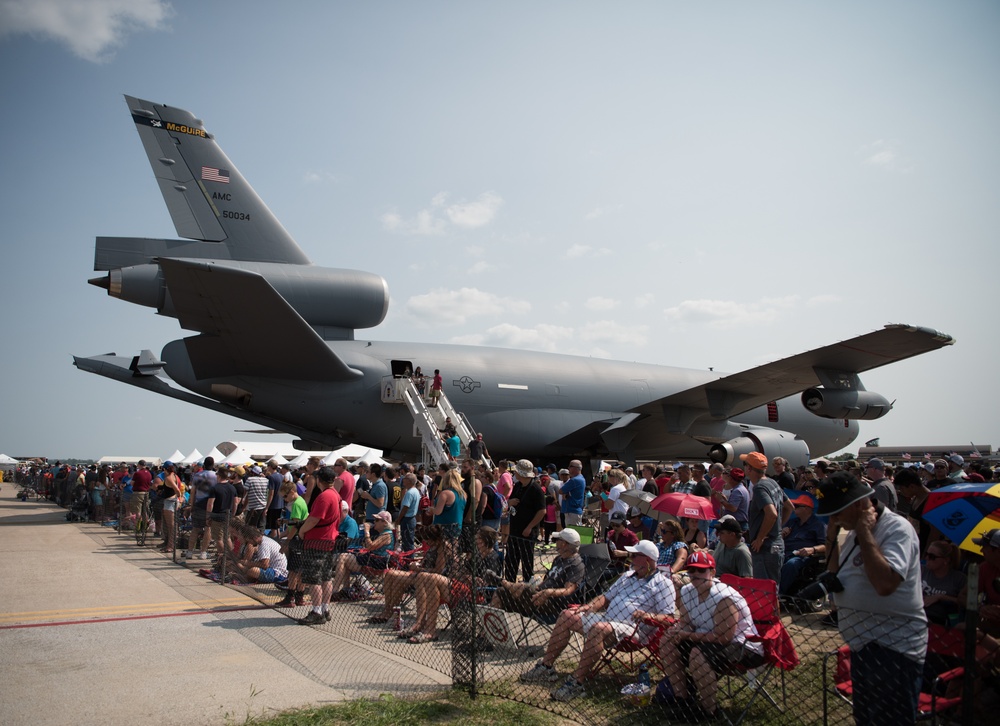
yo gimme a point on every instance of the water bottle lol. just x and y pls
(397, 619)
(644, 682)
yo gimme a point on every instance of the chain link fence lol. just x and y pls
(447, 608)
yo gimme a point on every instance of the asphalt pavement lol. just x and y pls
(95, 630)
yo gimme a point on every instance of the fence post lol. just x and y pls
(223, 555)
(464, 648)
(971, 630)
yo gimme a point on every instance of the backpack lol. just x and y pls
(496, 504)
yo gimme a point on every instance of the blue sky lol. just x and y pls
(690, 184)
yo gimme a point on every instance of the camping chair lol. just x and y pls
(940, 641)
(595, 558)
(779, 650)
(641, 646)
(586, 533)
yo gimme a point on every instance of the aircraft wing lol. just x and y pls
(235, 310)
(740, 392)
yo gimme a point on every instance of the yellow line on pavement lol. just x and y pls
(104, 611)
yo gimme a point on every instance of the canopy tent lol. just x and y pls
(193, 458)
(278, 459)
(216, 455)
(7, 462)
(350, 452)
(174, 457)
(238, 457)
(371, 457)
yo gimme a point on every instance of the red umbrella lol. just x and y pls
(684, 505)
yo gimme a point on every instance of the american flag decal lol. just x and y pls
(210, 173)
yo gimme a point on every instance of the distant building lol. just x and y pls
(902, 455)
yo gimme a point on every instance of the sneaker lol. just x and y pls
(300, 599)
(830, 620)
(203, 556)
(287, 602)
(313, 618)
(186, 555)
(540, 673)
(569, 690)
(327, 614)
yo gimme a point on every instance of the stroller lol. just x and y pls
(79, 508)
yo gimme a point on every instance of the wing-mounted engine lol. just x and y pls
(769, 442)
(861, 405)
(843, 395)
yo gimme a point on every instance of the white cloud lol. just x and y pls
(728, 314)
(644, 300)
(548, 338)
(885, 154)
(455, 307)
(480, 267)
(601, 303)
(91, 29)
(475, 214)
(602, 211)
(318, 177)
(611, 331)
(436, 219)
(577, 251)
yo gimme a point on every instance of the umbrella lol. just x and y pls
(964, 511)
(638, 499)
(684, 505)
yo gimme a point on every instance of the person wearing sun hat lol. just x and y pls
(715, 630)
(880, 606)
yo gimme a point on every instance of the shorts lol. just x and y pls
(296, 555)
(573, 518)
(268, 575)
(136, 501)
(198, 518)
(318, 561)
(170, 505)
(621, 630)
(722, 655)
(372, 562)
(435, 393)
(218, 526)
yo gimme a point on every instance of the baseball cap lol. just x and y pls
(644, 547)
(383, 515)
(991, 538)
(956, 459)
(617, 518)
(755, 459)
(876, 464)
(568, 535)
(729, 525)
(255, 470)
(737, 474)
(700, 560)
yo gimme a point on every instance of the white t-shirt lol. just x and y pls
(271, 550)
(895, 621)
(613, 496)
(702, 613)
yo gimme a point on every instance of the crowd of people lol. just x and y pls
(469, 528)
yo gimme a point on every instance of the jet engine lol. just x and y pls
(852, 404)
(324, 297)
(769, 442)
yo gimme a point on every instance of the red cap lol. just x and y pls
(700, 560)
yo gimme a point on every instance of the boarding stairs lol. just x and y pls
(429, 420)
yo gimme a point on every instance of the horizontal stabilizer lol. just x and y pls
(235, 310)
(740, 392)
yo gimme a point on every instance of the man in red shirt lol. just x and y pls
(319, 532)
(141, 482)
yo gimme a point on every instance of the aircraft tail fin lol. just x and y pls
(207, 197)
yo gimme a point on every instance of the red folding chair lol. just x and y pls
(940, 641)
(642, 645)
(779, 650)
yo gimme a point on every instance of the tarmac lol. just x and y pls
(96, 630)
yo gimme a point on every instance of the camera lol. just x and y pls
(826, 584)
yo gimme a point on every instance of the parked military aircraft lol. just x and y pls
(238, 272)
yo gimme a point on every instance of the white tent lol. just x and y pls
(216, 455)
(174, 457)
(7, 462)
(278, 459)
(371, 457)
(351, 452)
(299, 460)
(193, 458)
(240, 456)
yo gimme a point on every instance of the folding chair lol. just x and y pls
(595, 558)
(642, 645)
(586, 533)
(940, 641)
(779, 650)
